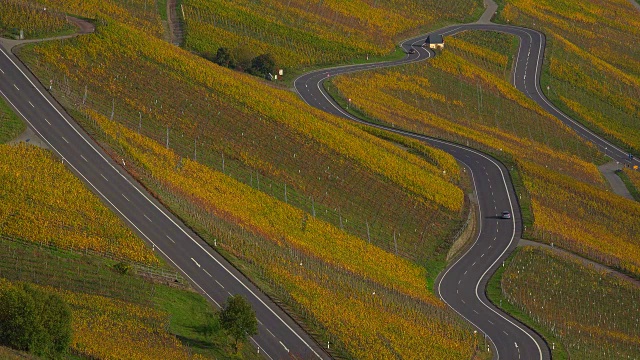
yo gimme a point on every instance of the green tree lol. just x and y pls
(263, 65)
(224, 57)
(34, 320)
(238, 319)
(243, 56)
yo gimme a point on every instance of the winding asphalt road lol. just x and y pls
(462, 286)
(279, 337)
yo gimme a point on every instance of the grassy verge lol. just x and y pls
(10, 125)
(162, 9)
(192, 320)
(635, 192)
(197, 325)
(494, 294)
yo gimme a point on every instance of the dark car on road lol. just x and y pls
(505, 215)
(412, 51)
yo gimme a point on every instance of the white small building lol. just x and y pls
(434, 41)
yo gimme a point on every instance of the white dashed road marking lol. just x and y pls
(30, 104)
(83, 158)
(147, 217)
(127, 199)
(104, 177)
(284, 346)
(47, 121)
(205, 270)
(169, 237)
(219, 284)
(65, 140)
(14, 85)
(192, 259)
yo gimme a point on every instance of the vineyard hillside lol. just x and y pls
(45, 204)
(54, 233)
(301, 33)
(317, 211)
(555, 171)
(245, 128)
(593, 318)
(592, 68)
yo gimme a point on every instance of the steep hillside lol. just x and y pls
(301, 33)
(592, 70)
(321, 214)
(594, 318)
(557, 170)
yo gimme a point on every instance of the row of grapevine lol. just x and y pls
(592, 72)
(328, 168)
(594, 318)
(301, 33)
(44, 203)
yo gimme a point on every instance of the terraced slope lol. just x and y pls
(594, 318)
(591, 72)
(301, 33)
(303, 164)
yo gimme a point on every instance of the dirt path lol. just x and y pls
(175, 23)
(609, 172)
(491, 9)
(84, 27)
(584, 261)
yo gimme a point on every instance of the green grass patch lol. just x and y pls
(635, 192)
(162, 9)
(10, 125)
(196, 324)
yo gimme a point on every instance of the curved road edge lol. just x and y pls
(462, 284)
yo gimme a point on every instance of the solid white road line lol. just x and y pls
(107, 199)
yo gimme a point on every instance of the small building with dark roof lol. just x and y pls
(434, 41)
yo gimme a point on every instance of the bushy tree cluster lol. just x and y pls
(242, 59)
(34, 320)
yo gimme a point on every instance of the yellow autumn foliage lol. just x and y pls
(44, 203)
